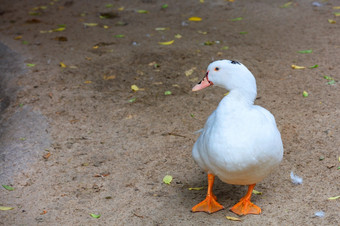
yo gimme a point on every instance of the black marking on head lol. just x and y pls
(235, 62)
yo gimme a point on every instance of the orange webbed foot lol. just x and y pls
(245, 206)
(208, 205)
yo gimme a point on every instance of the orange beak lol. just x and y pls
(203, 84)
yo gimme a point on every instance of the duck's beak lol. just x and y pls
(203, 84)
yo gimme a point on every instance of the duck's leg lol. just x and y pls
(245, 207)
(209, 204)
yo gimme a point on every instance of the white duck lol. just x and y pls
(240, 142)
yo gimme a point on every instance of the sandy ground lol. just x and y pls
(111, 147)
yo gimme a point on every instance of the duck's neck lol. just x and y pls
(239, 97)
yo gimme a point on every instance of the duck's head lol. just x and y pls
(228, 74)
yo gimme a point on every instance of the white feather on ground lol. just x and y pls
(295, 178)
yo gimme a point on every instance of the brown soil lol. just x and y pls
(95, 130)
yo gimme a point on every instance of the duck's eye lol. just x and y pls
(217, 68)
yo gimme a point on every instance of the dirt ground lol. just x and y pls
(111, 147)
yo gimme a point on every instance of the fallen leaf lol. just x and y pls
(59, 29)
(6, 208)
(121, 8)
(30, 65)
(337, 14)
(18, 37)
(202, 32)
(167, 92)
(109, 77)
(157, 83)
(164, 6)
(62, 65)
(161, 28)
(24, 42)
(178, 36)
(142, 11)
(305, 51)
(43, 212)
(119, 36)
(333, 198)
(233, 218)
(90, 24)
(336, 7)
(190, 71)
(225, 47)
(109, 5)
(166, 43)
(297, 67)
(195, 18)
(331, 21)
(199, 188)
(305, 94)
(95, 215)
(314, 66)
(132, 100)
(105, 27)
(88, 82)
(286, 5)
(237, 19)
(257, 192)
(47, 155)
(7, 187)
(243, 32)
(167, 179)
(134, 88)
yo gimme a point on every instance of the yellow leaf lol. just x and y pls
(6, 208)
(336, 7)
(195, 18)
(134, 88)
(59, 29)
(257, 192)
(88, 82)
(90, 24)
(18, 37)
(166, 43)
(190, 71)
(95, 47)
(178, 36)
(121, 8)
(297, 67)
(333, 198)
(109, 77)
(201, 1)
(196, 189)
(106, 27)
(233, 218)
(331, 21)
(62, 65)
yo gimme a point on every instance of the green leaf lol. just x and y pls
(314, 66)
(165, 6)
(30, 65)
(305, 51)
(192, 115)
(24, 42)
(6, 208)
(243, 32)
(142, 11)
(119, 36)
(9, 188)
(167, 179)
(95, 215)
(257, 192)
(339, 167)
(305, 94)
(237, 19)
(196, 189)
(168, 92)
(132, 100)
(109, 5)
(333, 198)
(332, 82)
